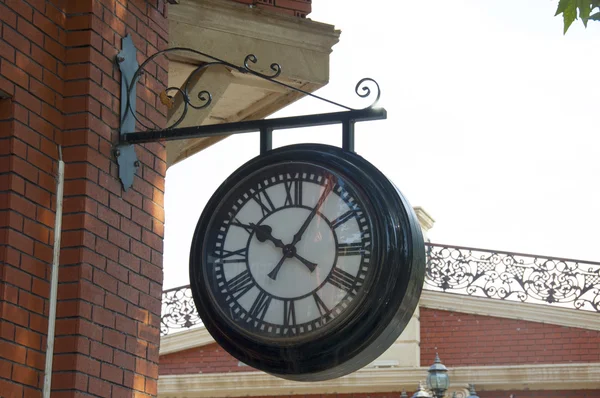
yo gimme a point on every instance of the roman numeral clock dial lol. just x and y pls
(291, 254)
(285, 257)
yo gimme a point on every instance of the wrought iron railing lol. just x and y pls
(497, 275)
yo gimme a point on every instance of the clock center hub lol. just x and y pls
(289, 251)
(293, 279)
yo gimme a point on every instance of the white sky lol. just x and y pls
(492, 123)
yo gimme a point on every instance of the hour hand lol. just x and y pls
(264, 232)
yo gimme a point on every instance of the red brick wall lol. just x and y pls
(472, 340)
(298, 8)
(358, 395)
(482, 394)
(57, 65)
(540, 394)
(208, 359)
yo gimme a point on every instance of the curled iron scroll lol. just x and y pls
(203, 99)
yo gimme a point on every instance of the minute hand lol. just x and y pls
(300, 232)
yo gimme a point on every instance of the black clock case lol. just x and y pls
(379, 318)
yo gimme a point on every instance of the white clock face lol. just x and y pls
(289, 251)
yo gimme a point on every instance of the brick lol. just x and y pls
(8, 16)
(7, 52)
(92, 293)
(81, 363)
(13, 352)
(146, 368)
(120, 206)
(107, 249)
(31, 302)
(15, 74)
(152, 240)
(36, 231)
(46, 25)
(27, 338)
(37, 195)
(72, 344)
(113, 338)
(119, 238)
(30, 31)
(43, 58)
(153, 272)
(42, 91)
(116, 304)
(136, 347)
(101, 351)
(21, 242)
(118, 271)
(52, 115)
(69, 380)
(25, 375)
(112, 373)
(148, 333)
(103, 317)
(40, 125)
(99, 387)
(17, 277)
(38, 323)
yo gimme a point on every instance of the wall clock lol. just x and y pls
(307, 263)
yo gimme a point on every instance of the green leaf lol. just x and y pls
(595, 17)
(562, 6)
(569, 14)
(585, 7)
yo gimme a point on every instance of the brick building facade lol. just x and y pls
(461, 340)
(60, 89)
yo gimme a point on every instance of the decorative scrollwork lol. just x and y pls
(276, 68)
(178, 310)
(514, 276)
(187, 101)
(366, 91)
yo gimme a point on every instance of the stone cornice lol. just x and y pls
(535, 377)
(255, 23)
(185, 340)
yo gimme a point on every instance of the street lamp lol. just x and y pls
(421, 393)
(437, 379)
(472, 393)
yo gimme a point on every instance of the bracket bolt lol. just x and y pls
(136, 163)
(117, 153)
(120, 58)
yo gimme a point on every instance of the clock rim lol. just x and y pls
(358, 346)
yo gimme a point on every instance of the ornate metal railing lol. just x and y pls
(513, 276)
(497, 275)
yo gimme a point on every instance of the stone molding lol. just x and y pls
(185, 340)
(441, 301)
(518, 377)
(239, 19)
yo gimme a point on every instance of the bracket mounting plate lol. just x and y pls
(125, 153)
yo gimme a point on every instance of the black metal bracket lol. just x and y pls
(131, 72)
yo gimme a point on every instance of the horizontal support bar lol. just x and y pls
(255, 125)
